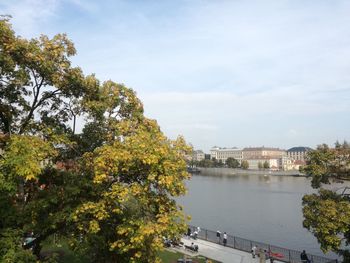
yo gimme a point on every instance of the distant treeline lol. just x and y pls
(230, 162)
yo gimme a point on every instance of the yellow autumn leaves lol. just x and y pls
(26, 156)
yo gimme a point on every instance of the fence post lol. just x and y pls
(234, 242)
(290, 260)
(206, 235)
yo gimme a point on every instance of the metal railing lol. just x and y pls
(284, 254)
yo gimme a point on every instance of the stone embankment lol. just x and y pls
(231, 171)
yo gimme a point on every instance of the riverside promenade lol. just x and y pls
(218, 252)
(239, 249)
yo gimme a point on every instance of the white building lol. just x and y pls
(262, 152)
(272, 162)
(286, 163)
(198, 155)
(224, 153)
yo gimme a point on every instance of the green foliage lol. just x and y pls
(327, 163)
(327, 213)
(266, 165)
(24, 157)
(245, 164)
(109, 191)
(232, 162)
(206, 163)
(210, 163)
(11, 249)
(260, 165)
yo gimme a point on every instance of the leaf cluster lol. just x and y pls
(327, 213)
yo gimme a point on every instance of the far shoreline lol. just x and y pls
(219, 171)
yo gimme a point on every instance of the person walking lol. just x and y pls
(189, 232)
(218, 235)
(254, 248)
(304, 258)
(262, 258)
(195, 234)
(267, 254)
(225, 239)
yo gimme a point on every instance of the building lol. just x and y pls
(263, 152)
(287, 164)
(298, 153)
(222, 154)
(198, 155)
(274, 163)
(257, 156)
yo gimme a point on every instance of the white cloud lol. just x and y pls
(27, 15)
(219, 72)
(224, 118)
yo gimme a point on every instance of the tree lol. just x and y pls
(232, 162)
(216, 163)
(110, 191)
(219, 163)
(266, 165)
(260, 165)
(327, 213)
(205, 163)
(245, 164)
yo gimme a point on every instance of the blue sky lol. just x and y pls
(226, 73)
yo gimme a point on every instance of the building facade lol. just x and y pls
(273, 163)
(222, 154)
(198, 155)
(262, 152)
(298, 153)
(257, 156)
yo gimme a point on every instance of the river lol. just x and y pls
(265, 208)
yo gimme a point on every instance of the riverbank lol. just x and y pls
(237, 171)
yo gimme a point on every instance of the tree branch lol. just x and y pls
(36, 91)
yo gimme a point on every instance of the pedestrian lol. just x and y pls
(304, 258)
(198, 229)
(218, 235)
(195, 234)
(225, 239)
(189, 232)
(254, 248)
(262, 258)
(267, 255)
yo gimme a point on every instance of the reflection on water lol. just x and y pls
(263, 207)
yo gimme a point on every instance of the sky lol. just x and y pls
(226, 73)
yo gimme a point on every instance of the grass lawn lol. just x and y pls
(63, 251)
(66, 255)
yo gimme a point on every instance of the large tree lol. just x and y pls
(245, 164)
(266, 165)
(327, 213)
(109, 190)
(232, 162)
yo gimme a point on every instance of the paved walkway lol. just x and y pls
(218, 252)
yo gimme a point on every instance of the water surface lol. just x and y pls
(265, 208)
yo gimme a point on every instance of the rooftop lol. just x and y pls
(263, 148)
(300, 149)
